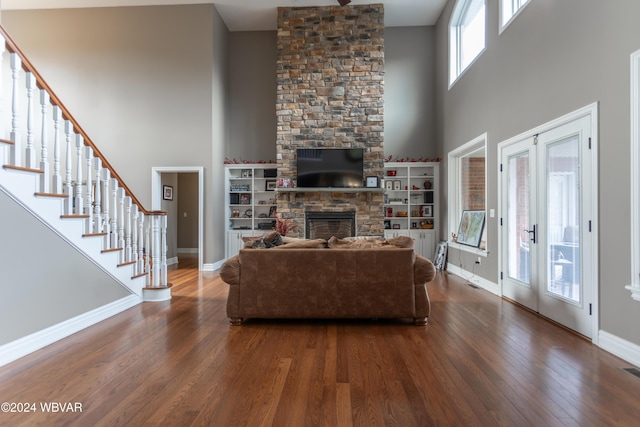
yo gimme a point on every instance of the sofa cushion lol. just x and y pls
(351, 243)
(304, 243)
(401, 242)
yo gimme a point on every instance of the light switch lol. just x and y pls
(185, 214)
(492, 213)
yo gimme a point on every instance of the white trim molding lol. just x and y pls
(474, 279)
(21, 347)
(634, 287)
(622, 348)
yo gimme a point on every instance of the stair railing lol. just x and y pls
(75, 170)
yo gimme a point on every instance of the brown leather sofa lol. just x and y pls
(293, 282)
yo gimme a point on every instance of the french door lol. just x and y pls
(547, 230)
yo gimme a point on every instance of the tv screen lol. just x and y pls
(330, 167)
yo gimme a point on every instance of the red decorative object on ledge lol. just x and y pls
(411, 159)
(234, 161)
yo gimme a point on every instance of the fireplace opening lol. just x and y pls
(324, 225)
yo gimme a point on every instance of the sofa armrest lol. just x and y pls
(423, 270)
(230, 271)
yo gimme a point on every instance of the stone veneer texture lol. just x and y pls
(330, 90)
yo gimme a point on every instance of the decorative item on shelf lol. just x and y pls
(284, 226)
(415, 213)
(273, 212)
(248, 213)
(396, 226)
(270, 185)
(235, 213)
(246, 173)
(426, 210)
(262, 202)
(397, 184)
(414, 225)
(240, 187)
(387, 224)
(372, 182)
(389, 212)
(454, 237)
(270, 173)
(426, 224)
(234, 161)
(395, 201)
(245, 199)
(392, 172)
(428, 184)
(388, 184)
(285, 183)
(410, 159)
(234, 199)
(401, 214)
(263, 215)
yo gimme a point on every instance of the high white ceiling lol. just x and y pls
(257, 15)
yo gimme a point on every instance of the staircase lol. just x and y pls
(53, 170)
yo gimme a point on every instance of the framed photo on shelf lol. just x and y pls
(427, 211)
(471, 228)
(167, 192)
(246, 173)
(245, 199)
(396, 226)
(270, 185)
(371, 182)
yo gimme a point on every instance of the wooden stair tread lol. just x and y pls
(74, 216)
(170, 285)
(126, 263)
(23, 169)
(111, 250)
(7, 141)
(64, 196)
(94, 234)
(140, 275)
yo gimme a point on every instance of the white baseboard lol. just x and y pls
(481, 282)
(172, 260)
(622, 348)
(187, 250)
(21, 347)
(209, 267)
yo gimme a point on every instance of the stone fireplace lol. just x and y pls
(330, 90)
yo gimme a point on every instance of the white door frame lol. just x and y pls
(590, 203)
(156, 191)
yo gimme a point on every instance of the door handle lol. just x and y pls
(532, 233)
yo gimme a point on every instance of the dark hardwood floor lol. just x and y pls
(481, 361)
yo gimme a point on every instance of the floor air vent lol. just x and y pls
(633, 371)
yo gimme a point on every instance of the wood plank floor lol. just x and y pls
(481, 361)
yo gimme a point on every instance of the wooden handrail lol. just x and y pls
(42, 84)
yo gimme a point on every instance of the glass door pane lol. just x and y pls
(518, 220)
(563, 218)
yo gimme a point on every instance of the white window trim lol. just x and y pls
(455, 52)
(504, 25)
(454, 193)
(634, 287)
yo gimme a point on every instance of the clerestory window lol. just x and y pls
(466, 36)
(509, 9)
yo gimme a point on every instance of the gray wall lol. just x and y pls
(556, 57)
(148, 84)
(187, 235)
(409, 92)
(252, 83)
(38, 280)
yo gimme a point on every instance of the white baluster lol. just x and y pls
(121, 221)
(147, 245)
(78, 196)
(44, 155)
(56, 187)
(140, 268)
(155, 252)
(106, 227)
(163, 251)
(30, 150)
(134, 237)
(68, 189)
(89, 190)
(97, 197)
(127, 229)
(16, 148)
(3, 47)
(115, 206)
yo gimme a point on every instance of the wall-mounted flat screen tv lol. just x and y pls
(330, 167)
